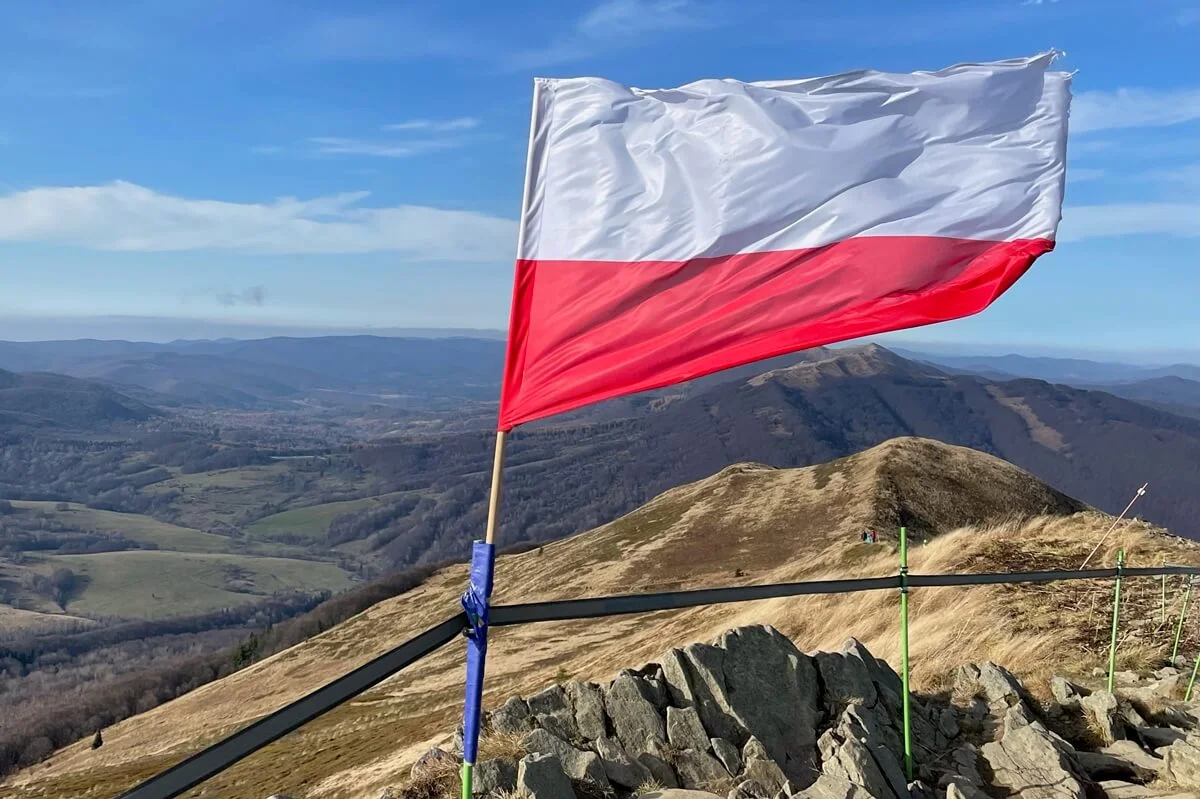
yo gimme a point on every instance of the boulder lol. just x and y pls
(619, 766)
(830, 787)
(1103, 766)
(587, 704)
(1144, 765)
(748, 789)
(752, 682)
(635, 719)
(1165, 672)
(654, 759)
(699, 770)
(853, 762)
(758, 766)
(998, 685)
(1102, 711)
(1181, 762)
(728, 754)
(579, 765)
(882, 674)
(1032, 762)
(434, 759)
(1157, 737)
(494, 775)
(540, 776)
(684, 730)
(512, 716)
(948, 723)
(552, 712)
(958, 788)
(1065, 692)
(678, 793)
(846, 680)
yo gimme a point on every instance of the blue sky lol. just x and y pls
(187, 167)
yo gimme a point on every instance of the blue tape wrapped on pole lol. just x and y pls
(475, 603)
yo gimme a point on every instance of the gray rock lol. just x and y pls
(619, 766)
(684, 730)
(966, 765)
(1156, 737)
(1102, 711)
(587, 702)
(773, 690)
(748, 789)
(728, 754)
(1031, 762)
(830, 787)
(998, 685)
(881, 673)
(958, 788)
(495, 775)
(388, 793)
(966, 681)
(1167, 688)
(1103, 766)
(948, 723)
(433, 759)
(1118, 789)
(1065, 692)
(654, 759)
(918, 790)
(678, 793)
(634, 718)
(701, 771)
(512, 716)
(766, 773)
(1145, 765)
(1166, 671)
(752, 682)
(656, 690)
(541, 776)
(1127, 677)
(847, 680)
(853, 761)
(1181, 762)
(579, 765)
(553, 713)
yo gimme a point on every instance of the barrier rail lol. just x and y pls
(241, 744)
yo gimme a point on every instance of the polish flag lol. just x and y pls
(670, 233)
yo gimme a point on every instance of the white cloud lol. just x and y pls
(335, 145)
(1184, 173)
(1133, 108)
(435, 125)
(1099, 221)
(124, 216)
(617, 24)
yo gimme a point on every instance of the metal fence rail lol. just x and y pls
(225, 753)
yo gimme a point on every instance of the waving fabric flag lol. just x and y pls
(670, 233)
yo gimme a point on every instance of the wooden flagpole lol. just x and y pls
(483, 556)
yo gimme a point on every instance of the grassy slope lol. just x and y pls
(135, 527)
(312, 522)
(148, 584)
(747, 524)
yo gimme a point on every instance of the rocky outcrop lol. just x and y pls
(1031, 761)
(739, 717)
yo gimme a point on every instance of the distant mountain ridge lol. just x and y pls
(43, 400)
(274, 372)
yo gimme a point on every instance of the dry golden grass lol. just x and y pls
(748, 524)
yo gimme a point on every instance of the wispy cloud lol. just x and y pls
(617, 24)
(399, 34)
(1101, 221)
(1183, 173)
(1133, 108)
(434, 125)
(127, 217)
(336, 145)
(255, 295)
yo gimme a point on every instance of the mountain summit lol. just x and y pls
(746, 524)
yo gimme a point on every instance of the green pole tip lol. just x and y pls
(468, 774)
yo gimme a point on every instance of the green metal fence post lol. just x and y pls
(1164, 595)
(1112, 647)
(908, 758)
(1187, 600)
(1192, 682)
